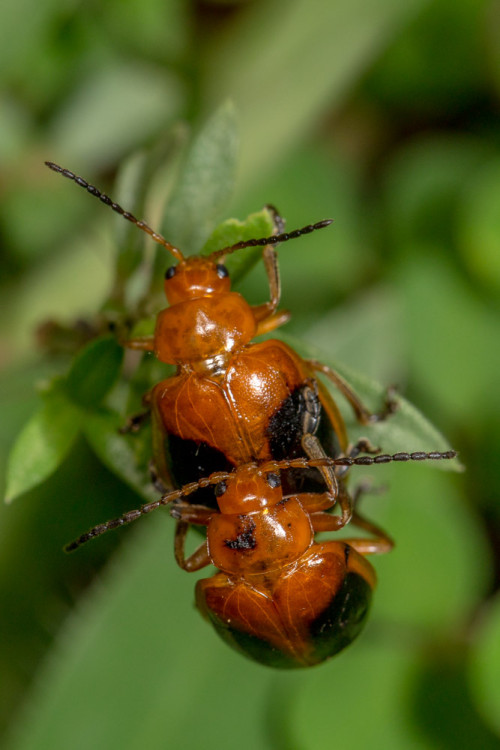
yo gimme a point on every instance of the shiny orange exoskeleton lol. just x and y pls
(279, 597)
(253, 420)
(232, 402)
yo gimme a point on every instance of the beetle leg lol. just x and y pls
(363, 445)
(266, 315)
(278, 220)
(141, 343)
(381, 541)
(379, 545)
(199, 559)
(197, 515)
(188, 515)
(322, 521)
(363, 488)
(363, 414)
(272, 321)
(315, 502)
(156, 479)
(312, 405)
(135, 422)
(313, 449)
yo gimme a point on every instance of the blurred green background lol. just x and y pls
(383, 116)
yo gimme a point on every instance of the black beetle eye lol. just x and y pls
(273, 480)
(220, 488)
(170, 272)
(222, 271)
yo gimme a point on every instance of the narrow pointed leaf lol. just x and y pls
(43, 444)
(230, 232)
(120, 453)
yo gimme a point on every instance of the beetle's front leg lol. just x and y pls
(186, 516)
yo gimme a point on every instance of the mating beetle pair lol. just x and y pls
(253, 421)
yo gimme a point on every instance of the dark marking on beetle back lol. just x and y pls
(245, 539)
(302, 410)
(189, 461)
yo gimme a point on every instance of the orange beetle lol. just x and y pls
(247, 411)
(279, 597)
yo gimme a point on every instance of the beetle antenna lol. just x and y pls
(382, 458)
(275, 239)
(116, 207)
(134, 515)
(269, 466)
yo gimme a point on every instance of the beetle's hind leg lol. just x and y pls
(362, 413)
(378, 543)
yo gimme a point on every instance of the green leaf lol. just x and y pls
(47, 438)
(479, 225)
(406, 430)
(484, 665)
(400, 78)
(94, 372)
(205, 183)
(37, 21)
(371, 678)
(134, 660)
(364, 331)
(442, 703)
(422, 186)
(316, 269)
(284, 69)
(118, 452)
(43, 443)
(159, 29)
(129, 192)
(231, 231)
(427, 588)
(90, 124)
(454, 353)
(440, 566)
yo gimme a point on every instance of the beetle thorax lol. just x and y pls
(257, 530)
(261, 542)
(203, 328)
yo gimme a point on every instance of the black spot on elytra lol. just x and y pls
(343, 619)
(190, 460)
(285, 430)
(245, 539)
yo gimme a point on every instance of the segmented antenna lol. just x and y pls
(116, 207)
(133, 515)
(275, 239)
(269, 466)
